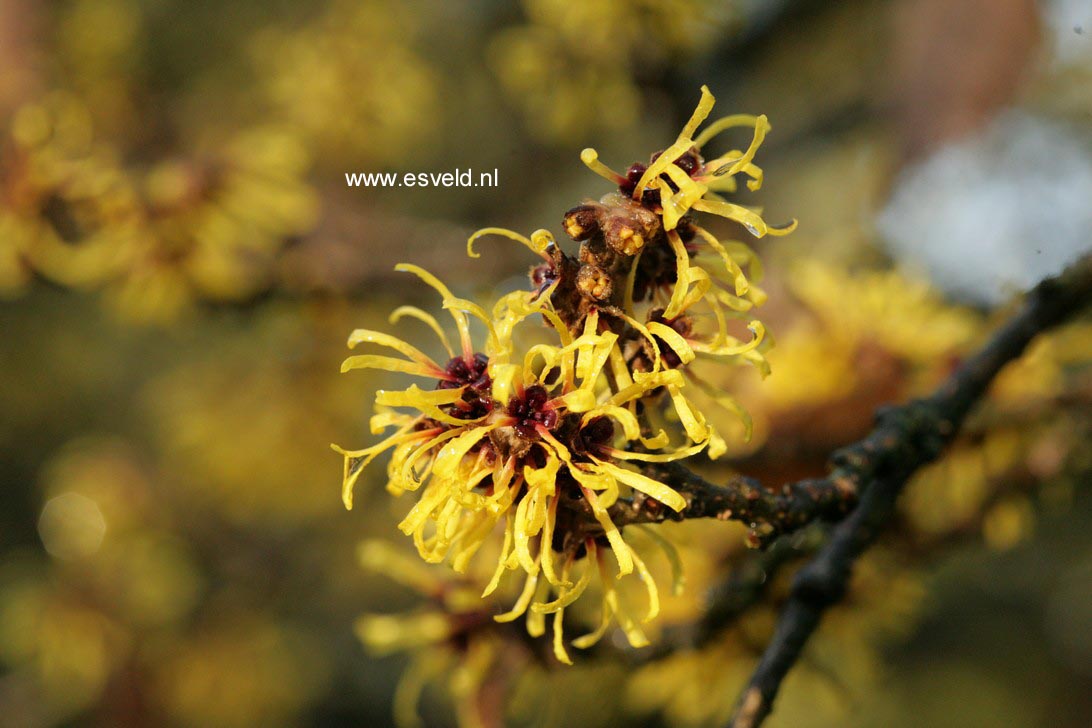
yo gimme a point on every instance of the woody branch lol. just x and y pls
(905, 439)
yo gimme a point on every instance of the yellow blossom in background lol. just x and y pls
(569, 68)
(213, 229)
(55, 647)
(101, 48)
(483, 667)
(239, 669)
(1049, 366)
(70, 628)
(244, 437)
(883, 314)
(700, 687)
(351, 82)
(903, 314)
(451, 639)
(861, 339)
(68, 211)
(154, 240)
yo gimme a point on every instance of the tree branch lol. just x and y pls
(905, 439)
(769, 513)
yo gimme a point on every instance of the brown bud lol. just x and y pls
(595, 252)
(623, 238)
(628, 225)
(594, 283)
(582, 221)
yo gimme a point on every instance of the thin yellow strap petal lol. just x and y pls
(425, 317)
(659, 457)
(416, 397)
(522, 602)
(618, 546)
(722, 124)
(678, 575)
(682, 264)
(673, 339)
(738, 277)
(494, 582)
(653, 488)
(460, 318)
(559, 639)
(650, 587)
(537, 243)
(390, 364)
(701, 113)
(665, 160)
(593, 637)
(590, 158)
(362, 336)
(568, 596)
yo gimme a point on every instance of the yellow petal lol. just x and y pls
(673, 339)
(568, 596)
(650, 587)
(726, 122)
(529, 588)
(678, 575)
(663, 457)
(390, 364)
(537, 243)
(459, 317)
(591, 159)
(653, 488)
(618, 546)
(494, 582)
(578, 400)
(449, 458)
(559, 639)
(361, 336)
(425, 317)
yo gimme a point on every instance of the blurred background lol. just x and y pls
(181, 261)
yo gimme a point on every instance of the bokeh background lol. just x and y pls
(181, 260)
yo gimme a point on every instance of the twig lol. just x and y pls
(905, 439)
(769, 513)
(748, 583)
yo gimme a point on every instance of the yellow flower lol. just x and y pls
(678, 179)
(369, 46)
(451, 639)
(533, 443)
(539, 444)
(694, 283)
(67, 210)
(157, 241)
(906, 316)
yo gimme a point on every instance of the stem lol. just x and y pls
(905, 439)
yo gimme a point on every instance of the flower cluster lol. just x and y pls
(541, 443)
(154, 239)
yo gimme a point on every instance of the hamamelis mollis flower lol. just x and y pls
(686, 272)
(496, 442)
(539, 444)
(451, 638)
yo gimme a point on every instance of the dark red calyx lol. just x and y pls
(532, 410)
